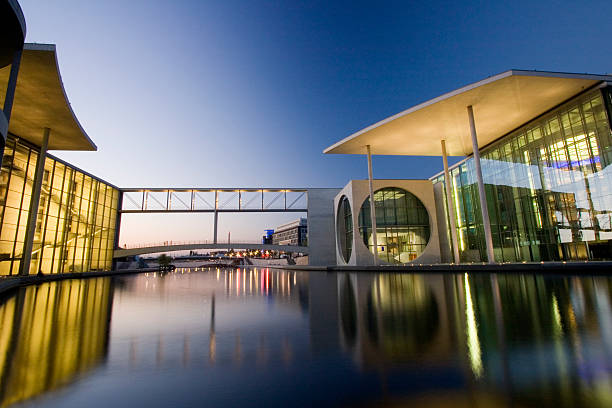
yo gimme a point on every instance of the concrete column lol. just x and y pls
(12, 85)
(216, 217)
(34, 201)
(449, 204)
(9, 98)
(118, 220)
(117, 228)
(481, 190)
(372, 206)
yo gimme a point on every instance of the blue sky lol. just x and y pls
(249, 93)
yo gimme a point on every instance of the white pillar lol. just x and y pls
(372, 206)
(449, 204)
(28, 245)
(481, 190)
(216, 217)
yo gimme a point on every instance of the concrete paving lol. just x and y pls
(573, 268)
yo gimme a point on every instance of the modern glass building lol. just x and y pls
(75, 220)
(548, 186)
(54, 218)
(402, 225)
(536, 181)
(405, 223)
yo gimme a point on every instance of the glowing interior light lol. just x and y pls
(458, 218)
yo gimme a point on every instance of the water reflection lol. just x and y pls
(527, 340)
(393, 318)
(50, 334)
(206, 317)
(472, 332)
(302, 339)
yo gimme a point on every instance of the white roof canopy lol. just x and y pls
(501, 104)
(41, 102)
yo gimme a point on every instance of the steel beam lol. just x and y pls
(237, 193)
(212, 210)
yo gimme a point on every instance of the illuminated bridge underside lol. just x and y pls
(213, 200)
(119, 253)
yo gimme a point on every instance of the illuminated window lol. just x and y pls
(75, 224)
(402, 225)
(548, 187)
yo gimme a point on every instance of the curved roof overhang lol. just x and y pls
(41, 102)
(12, 30)
(501, 104)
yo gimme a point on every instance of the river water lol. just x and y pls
(264, 338)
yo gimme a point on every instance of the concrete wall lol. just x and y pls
(446, 252)
(357, 192)
(321, 227)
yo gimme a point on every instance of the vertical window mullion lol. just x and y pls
(44, 226)
(76, 238)
(23, 187)
(57, 226)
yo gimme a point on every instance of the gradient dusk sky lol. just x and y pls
(249, 93)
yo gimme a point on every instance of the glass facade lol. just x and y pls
(402, 225)
(75, 225)
(344, 229)
(548, 186)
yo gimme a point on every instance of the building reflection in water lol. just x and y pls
(434, 339)
(50, 334)
(207, 317)
(393, 318)
(515, 339)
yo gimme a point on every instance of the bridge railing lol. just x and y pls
(177, 243)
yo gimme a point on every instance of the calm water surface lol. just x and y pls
(261, 338)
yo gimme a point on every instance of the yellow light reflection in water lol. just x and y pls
(50, 334)
(472, 332)
(558, 327)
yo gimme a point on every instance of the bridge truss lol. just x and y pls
(213, 200)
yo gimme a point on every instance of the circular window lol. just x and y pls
(344, 228)
(402, 225)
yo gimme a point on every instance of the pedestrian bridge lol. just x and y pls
(317, 203)
(152, 249)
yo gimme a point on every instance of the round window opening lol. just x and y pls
(402, 225)
(344, 228)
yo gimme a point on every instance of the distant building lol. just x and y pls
(293, 233)
(267, 239)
